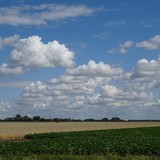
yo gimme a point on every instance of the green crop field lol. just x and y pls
(121, 142)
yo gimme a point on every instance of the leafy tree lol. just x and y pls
(104, 119)
(18, 117)
(36, 118)
(26, 118)
(115, 119)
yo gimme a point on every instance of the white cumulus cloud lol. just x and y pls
(6, 69)
(95, 69)
(87, 91)
(109, 90)
(32, 52)
(125, 46)
(151, 44)
(145, 68)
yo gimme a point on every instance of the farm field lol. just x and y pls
(114, 144)
(17, 130)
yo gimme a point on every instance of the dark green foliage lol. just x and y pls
(139, 141)
(79, 157)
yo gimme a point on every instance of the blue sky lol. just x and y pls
(80, 59)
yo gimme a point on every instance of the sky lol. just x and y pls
(80, 59)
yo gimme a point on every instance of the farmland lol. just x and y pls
(17, 130)
(80, 140)
(121, 142)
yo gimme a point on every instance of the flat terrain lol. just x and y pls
(16, 130)
(134, 142)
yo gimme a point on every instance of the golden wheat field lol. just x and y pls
(17, 130)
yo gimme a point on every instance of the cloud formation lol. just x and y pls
(73, 90)
(4, 106)
(87, 89)
(145, 68)
(122, 49)
(31, 52)
(152, 44)
(125, 46)
(8, 41)
(95, 69)
(93, 87)
(6, 69)
(41, 14)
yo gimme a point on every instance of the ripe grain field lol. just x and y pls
(17, 130)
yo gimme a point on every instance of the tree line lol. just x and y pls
(20, 118)
(26, 118)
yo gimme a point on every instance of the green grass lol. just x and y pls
(71, 157)
(137, 141)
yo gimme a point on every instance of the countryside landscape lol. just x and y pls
(40, 138)
(80, 140)
(79, 80)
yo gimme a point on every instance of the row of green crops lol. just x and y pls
(139, 141)
(79, 157)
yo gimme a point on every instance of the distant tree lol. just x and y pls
(104, 119)
(42, 119)
(36, 118)
(115, 119)
(89, 120)
(26, 118)
(56, 120)
(18, 117)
